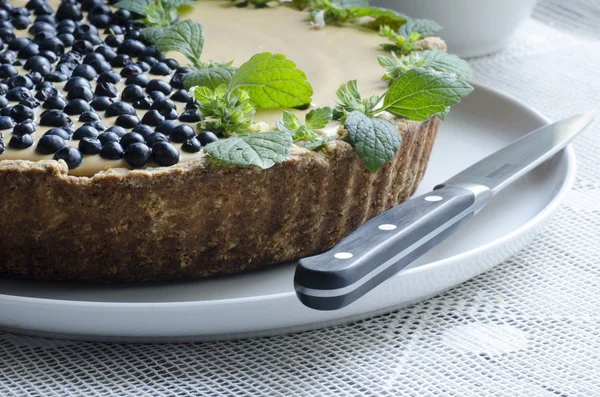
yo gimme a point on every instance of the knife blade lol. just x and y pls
(392, 240)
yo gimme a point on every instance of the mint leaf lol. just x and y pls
(262, 149)
(376, 140)
(208, 77)
(273, 81)
(349, 100)
(290, 122)
(420, 93)
(444, 62)
(318, 118)
(137, 6)
(380, 17)
(152, 35)
(222, 112)
(350, 3)
(424, 27)
(186, 37)
(179, 3)
(316, 143)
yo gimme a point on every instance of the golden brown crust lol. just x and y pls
(196, 219)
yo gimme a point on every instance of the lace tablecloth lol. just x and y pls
(529, 327)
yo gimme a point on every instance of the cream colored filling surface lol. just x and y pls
(329, 57)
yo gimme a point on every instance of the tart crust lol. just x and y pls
(195, 219)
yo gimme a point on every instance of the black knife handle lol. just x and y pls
(381, 247)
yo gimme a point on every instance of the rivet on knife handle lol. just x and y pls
(382, 246)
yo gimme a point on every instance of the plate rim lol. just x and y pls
(565, 188)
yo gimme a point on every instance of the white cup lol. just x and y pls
(470, 27)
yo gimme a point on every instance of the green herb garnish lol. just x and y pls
(406, 36)
(376, 140)
(262, 149)
(438, 60)
(350, 99)
(351, 11)
(154, 13)
(305, 133)
(186, 37)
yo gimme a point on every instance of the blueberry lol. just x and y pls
(121, 60)
(69, 11)
(132, 48)
(80, 92)
(85, 71)
(190, 116)
(28, 51)
(8, 71)
(112, 151)
(36, 78)
(131, 137)
(38, 64)
(170, 114)
(5, 111)
(163, 105)
(50, 144)
(207, 137)
(54, 102)
(45, 10)
(132, 93)
(156, 137)
(67, 39)
(20, 81)
(131, 70)
(20, 141)
(56, 77)
(21, 22)
(6, 123)
(107, 137)
(143, 129)
(160, 69)
(69, 155)
(119, 108)
(55, 118)
(120, 131)
(30, 102)
(51, 57)
(85, 131)
(101, 21)
(18, 94)
(18, 43)
(150, 60)
(85, 28)
(21, 113)
(191, 145)
(165, 154)
(114, 29)
(177, 80)
(181, 133)
(157, 95)
(153, 118)
(158, 85)
(24, 128)
(167, 126)
(89, 115)
(121, 16)
(100, 66)
(95, 124)
(181, 95)
(77, 106)
(138, 79)
(59, 132)
(137, 155)
(127, 120)
(113, 41)
(101, 103)
(53, 44)
(172, 63)
(93, 56)
(3, 102)
(41, 27)
(76, 82)
(90, 146)
(143, 103)
(83, 46)
(2, 148)
(109, 77)
(108, 53)
(106, 89)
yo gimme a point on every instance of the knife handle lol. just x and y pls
(383, 246)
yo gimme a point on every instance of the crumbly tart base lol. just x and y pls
(196, 219)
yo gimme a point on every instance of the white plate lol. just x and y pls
(264, 303)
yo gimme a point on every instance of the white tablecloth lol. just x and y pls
(529, 327)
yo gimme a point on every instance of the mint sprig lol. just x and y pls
(441, 61)
(186, 37)
(209, 76)
(154, 13)
(405, 38)
(261, 149)
(351, 11)
(305, 134)
(272, 81)
(420, 93)
(376, 140)
(350, 99)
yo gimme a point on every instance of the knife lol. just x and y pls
(392, 240)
